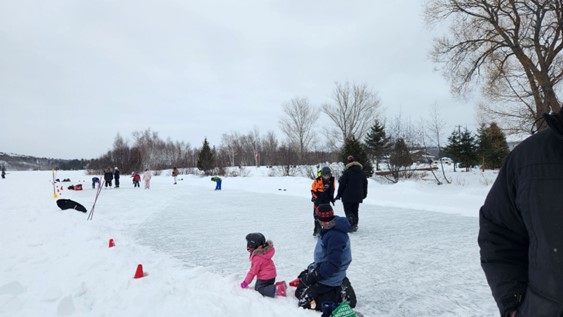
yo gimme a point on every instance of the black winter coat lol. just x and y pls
(108, 176)
(353, 184)
(521, 227)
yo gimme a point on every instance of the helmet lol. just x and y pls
(325, 171)
(254, 240)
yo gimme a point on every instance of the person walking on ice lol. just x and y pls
(353, 189)
(147, 175)
(136, 179)
(262, 266)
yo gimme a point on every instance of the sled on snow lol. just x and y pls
(70, 204)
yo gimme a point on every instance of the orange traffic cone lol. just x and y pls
(139, 272)
(111, 243)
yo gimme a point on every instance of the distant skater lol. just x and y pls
(175, 173)
(108, 177)
(136, 179)
(147, 175)
(116, 176)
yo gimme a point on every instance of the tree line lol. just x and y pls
(509, 49)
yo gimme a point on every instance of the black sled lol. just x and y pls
(70, 204)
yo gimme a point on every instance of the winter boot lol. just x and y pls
(280, 288)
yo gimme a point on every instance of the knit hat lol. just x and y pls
(325, 212)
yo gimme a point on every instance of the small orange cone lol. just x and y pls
(111, 243)
(139, 272)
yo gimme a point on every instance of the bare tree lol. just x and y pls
(270, 145)
(148, 143)
(436, 125)
(229, 146)
(353, 110)
(514, 45)
(297, 124)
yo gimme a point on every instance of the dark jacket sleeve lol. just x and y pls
(342, 182)
(503, 240)
(365, 187)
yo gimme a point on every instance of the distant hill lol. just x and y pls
(16, 162)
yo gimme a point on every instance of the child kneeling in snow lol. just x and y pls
(262, 266)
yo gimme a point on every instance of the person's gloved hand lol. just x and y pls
(332, 201)
(311, 277)
(313, 197)
(243, 284)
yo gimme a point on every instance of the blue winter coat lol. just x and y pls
(333, 253)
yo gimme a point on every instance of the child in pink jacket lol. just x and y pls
(262, 266)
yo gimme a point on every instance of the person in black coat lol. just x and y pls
(521, 227)
(352, 189)
(108, 176)
(116, 176)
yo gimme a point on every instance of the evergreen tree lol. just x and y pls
(354, 148)
(206, 159)
(399, 159)
(453, 147)
(377, 143)
(400, 156)
(468, 150)
(493, 148)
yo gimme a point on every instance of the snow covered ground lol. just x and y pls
(415, 253)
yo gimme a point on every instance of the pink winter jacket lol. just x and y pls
(262, 265)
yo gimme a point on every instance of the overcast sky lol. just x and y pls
(74, 73)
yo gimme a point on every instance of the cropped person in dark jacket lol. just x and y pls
(353, 189)
(521, 227)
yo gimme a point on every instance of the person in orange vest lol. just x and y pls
(322, 192)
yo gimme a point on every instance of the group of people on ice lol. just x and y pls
(323, 286)
(111, 175)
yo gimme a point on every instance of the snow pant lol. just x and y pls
(314, 296)
(175, 179)
(147, 184)
(117, 183)
(266, 287)
(108, 183)
(351, 211)
(136, 184)
(218, 186)
(94, 183)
